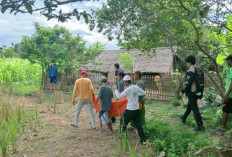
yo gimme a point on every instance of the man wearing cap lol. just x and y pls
(132, 92)
(52, 73)
(227, 102)
(84, 88)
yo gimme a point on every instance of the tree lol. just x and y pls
(127, 61)
(55, 43)
(8, 53)
(48, 8)
(187, 25)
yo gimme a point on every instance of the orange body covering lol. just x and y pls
(118, 107)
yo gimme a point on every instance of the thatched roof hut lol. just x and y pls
(158, 63)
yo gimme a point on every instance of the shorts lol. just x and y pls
(53, 79)
(104, 118)
(228, 107)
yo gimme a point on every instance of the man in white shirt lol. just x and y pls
(132, 93)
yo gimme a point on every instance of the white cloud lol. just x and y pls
(92, 4)
(12, 27)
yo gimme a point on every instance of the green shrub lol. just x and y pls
(174, 140)
(176, 102)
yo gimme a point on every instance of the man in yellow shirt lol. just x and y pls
(84, 88)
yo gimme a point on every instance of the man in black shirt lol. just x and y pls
(189, 89)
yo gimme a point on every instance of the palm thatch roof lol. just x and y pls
(159, 62)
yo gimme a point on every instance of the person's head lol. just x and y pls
(190, 61)
(103, 80)
(127, 80)
(53, 62)
(105, 74)
(121, 75)
(137, 75)
(229, 60)
(116, 66)
(84, 74)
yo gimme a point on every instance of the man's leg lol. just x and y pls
(141, 116)
(110, 127)
(225, 117)
(101, 127)
(187, 112)
(195, 109)
(138, 126)
(78, 110)
(54, 87)
(91, 114)
(125, 119)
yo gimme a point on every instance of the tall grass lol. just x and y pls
(13, 122)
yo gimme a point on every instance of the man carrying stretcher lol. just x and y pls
(132, 93)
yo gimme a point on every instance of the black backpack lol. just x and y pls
(199, 81)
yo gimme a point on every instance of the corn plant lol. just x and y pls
(19, 72)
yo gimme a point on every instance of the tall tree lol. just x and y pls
(187, 25)
(55, 43)
(48, 8)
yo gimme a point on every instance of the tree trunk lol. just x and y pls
(43, 77)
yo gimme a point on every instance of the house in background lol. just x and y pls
(160, 63)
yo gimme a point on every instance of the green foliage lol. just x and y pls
(220, 59)
(8, 53)
(92, 51)
(193, 27)
(211, 95)
(176, 102)
(48, 8)
(168, 134)
(19, 72)
(57, 43)
(127, 61)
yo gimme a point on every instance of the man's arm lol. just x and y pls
(188, 82)
(141, 92)
(74, 92)
(91, 87)
(228, 92)
(56, 71)
(121, 95)
(99, 94)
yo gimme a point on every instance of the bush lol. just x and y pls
(174, 140)
(212, 96)
(176, 102)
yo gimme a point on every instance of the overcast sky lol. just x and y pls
(12, 27)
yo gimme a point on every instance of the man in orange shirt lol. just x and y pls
(84, 88)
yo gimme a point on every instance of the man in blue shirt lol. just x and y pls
(52, 73)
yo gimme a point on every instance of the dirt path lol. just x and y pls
(56, 138)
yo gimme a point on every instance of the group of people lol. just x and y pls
(135, 94)
(122, 88)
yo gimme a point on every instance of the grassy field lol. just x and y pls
(168, 134)
(165, 132)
